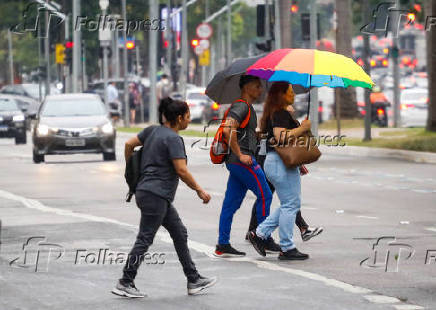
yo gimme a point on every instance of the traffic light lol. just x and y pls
(195, 43)
(294, 7)
(130, 45)
(265, 46)
(69, 53)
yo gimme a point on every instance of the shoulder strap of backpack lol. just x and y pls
(247, 118)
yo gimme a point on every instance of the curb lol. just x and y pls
(362, 151)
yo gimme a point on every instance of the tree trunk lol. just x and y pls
(285, 23)
(345, 97)
(431, 68)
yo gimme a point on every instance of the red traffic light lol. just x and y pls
(130, 45)
(69, 44)
(195, 43)
(411, 17)
(294, 8)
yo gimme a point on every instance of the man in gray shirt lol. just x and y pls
(245, 173)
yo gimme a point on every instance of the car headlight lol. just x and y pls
(1, 118)
(42, 130)
(18, 118)
(107, 128)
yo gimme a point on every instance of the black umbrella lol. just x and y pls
(224, 87)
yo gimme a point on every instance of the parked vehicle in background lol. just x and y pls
(27, 105)
(97, 87)
(202, 108)
(12, 120)
(73, 123)
(27, 90)
(414, 107)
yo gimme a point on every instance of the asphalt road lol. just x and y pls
(75, 205)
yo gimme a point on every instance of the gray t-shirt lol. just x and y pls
(161, 146)
(247, 139)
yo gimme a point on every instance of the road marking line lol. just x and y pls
(431, 229)
(367, 217)
(380, 299)
(408, 307)
(197, 246)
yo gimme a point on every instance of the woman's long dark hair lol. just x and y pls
(171, 109)
(273, 103)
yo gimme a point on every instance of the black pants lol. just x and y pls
(299, 221)
(156, 211)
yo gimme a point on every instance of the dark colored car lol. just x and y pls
(73, 123)
(27, 105)
(12, 120)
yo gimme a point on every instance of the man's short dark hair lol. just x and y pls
(245, 79)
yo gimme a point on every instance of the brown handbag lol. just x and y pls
(296, 151)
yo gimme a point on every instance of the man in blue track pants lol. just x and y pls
(245, 173)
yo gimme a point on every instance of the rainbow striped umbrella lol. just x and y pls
(310, 67)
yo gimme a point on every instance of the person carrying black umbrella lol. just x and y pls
(245, 172)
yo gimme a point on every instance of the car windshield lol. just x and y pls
(8, 105)
(197, 96)
(33, 90)
(415, 96)
(71, 107)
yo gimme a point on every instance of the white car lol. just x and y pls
(197, 100)
(414, 107)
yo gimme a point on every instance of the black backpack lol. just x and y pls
(133, 172)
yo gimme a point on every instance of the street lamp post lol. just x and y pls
(104, 44)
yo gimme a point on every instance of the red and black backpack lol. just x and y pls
(220, 146)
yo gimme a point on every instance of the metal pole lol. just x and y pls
(76, 47)
(126, 91)
(117, 55)
(367, 68)
(152, 54)
(47, 54)
(203, 68)
(267, 22)
(184, 77)
(229, 32)
(277, 25)
(313, 114)
(105, 66)
(137, 59)
(168, 35)
(84, 77)
(396, 73)
(11, 58)
(67, 67)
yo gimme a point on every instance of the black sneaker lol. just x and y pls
(311, 232)
(202, 283)
(127, 291)
(271, 246)
(257, 242)
(293, 254)
(226, 250)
